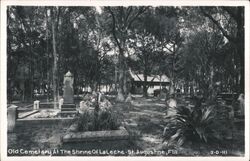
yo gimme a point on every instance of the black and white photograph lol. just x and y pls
(125, 80)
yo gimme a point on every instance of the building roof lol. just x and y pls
(151, 78)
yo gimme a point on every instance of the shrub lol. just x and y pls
(189, 124)
(83, 121)
(106, 120)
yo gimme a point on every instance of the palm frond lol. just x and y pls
(190, 123)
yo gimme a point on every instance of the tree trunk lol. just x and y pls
(160, 84)
(191, 91)
(121, 58)
(240, 42)
(238, 15)
(120, 94)
(145, 89)
(172, 85)
(47, 51)
(125, 87)
(186, 87)
(121, 79)
(211, 88)
(54, 68)
(31, 73)
(240, 52)
(116, 77)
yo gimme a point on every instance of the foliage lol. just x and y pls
(196, 125)
(201, 60)
(185, 43)
(107, 120)
(83, 121)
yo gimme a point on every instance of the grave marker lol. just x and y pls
(11, 117)
(68, 93)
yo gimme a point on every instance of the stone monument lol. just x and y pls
(11, 117)
(68, 93)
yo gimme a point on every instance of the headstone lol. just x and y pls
(83, 106)
(68, 93)
(60, 103)
(241, 104)
(172, 103)
(11, 116)
(94, 97)
(36, 105)
(129, 98)
(171, 90)
(171, 107)
(99, 97)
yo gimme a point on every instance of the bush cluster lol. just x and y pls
(104, 120)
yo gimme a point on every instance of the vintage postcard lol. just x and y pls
(126, 80)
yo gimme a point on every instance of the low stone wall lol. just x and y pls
(37, 121)
(22, 115)
(47, 105)
(89, 136)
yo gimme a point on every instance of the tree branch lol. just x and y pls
(57, 19)
(141, 10)
(224, 32)
(129, 10)
(113, 28)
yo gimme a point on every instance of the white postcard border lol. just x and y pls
(3, 69)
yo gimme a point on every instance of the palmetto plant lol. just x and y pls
(191, 124)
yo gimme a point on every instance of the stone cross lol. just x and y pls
(68, 91)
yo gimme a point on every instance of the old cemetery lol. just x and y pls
(92, 120)
(99, 125)
(125, 81)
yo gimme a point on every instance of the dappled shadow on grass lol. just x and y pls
(36, 137)
(143, 119)
(49, 137)
(147, 126)
(233, 147)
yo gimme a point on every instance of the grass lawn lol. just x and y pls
(144, 120)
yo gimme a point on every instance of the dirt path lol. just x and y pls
(144, 119)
